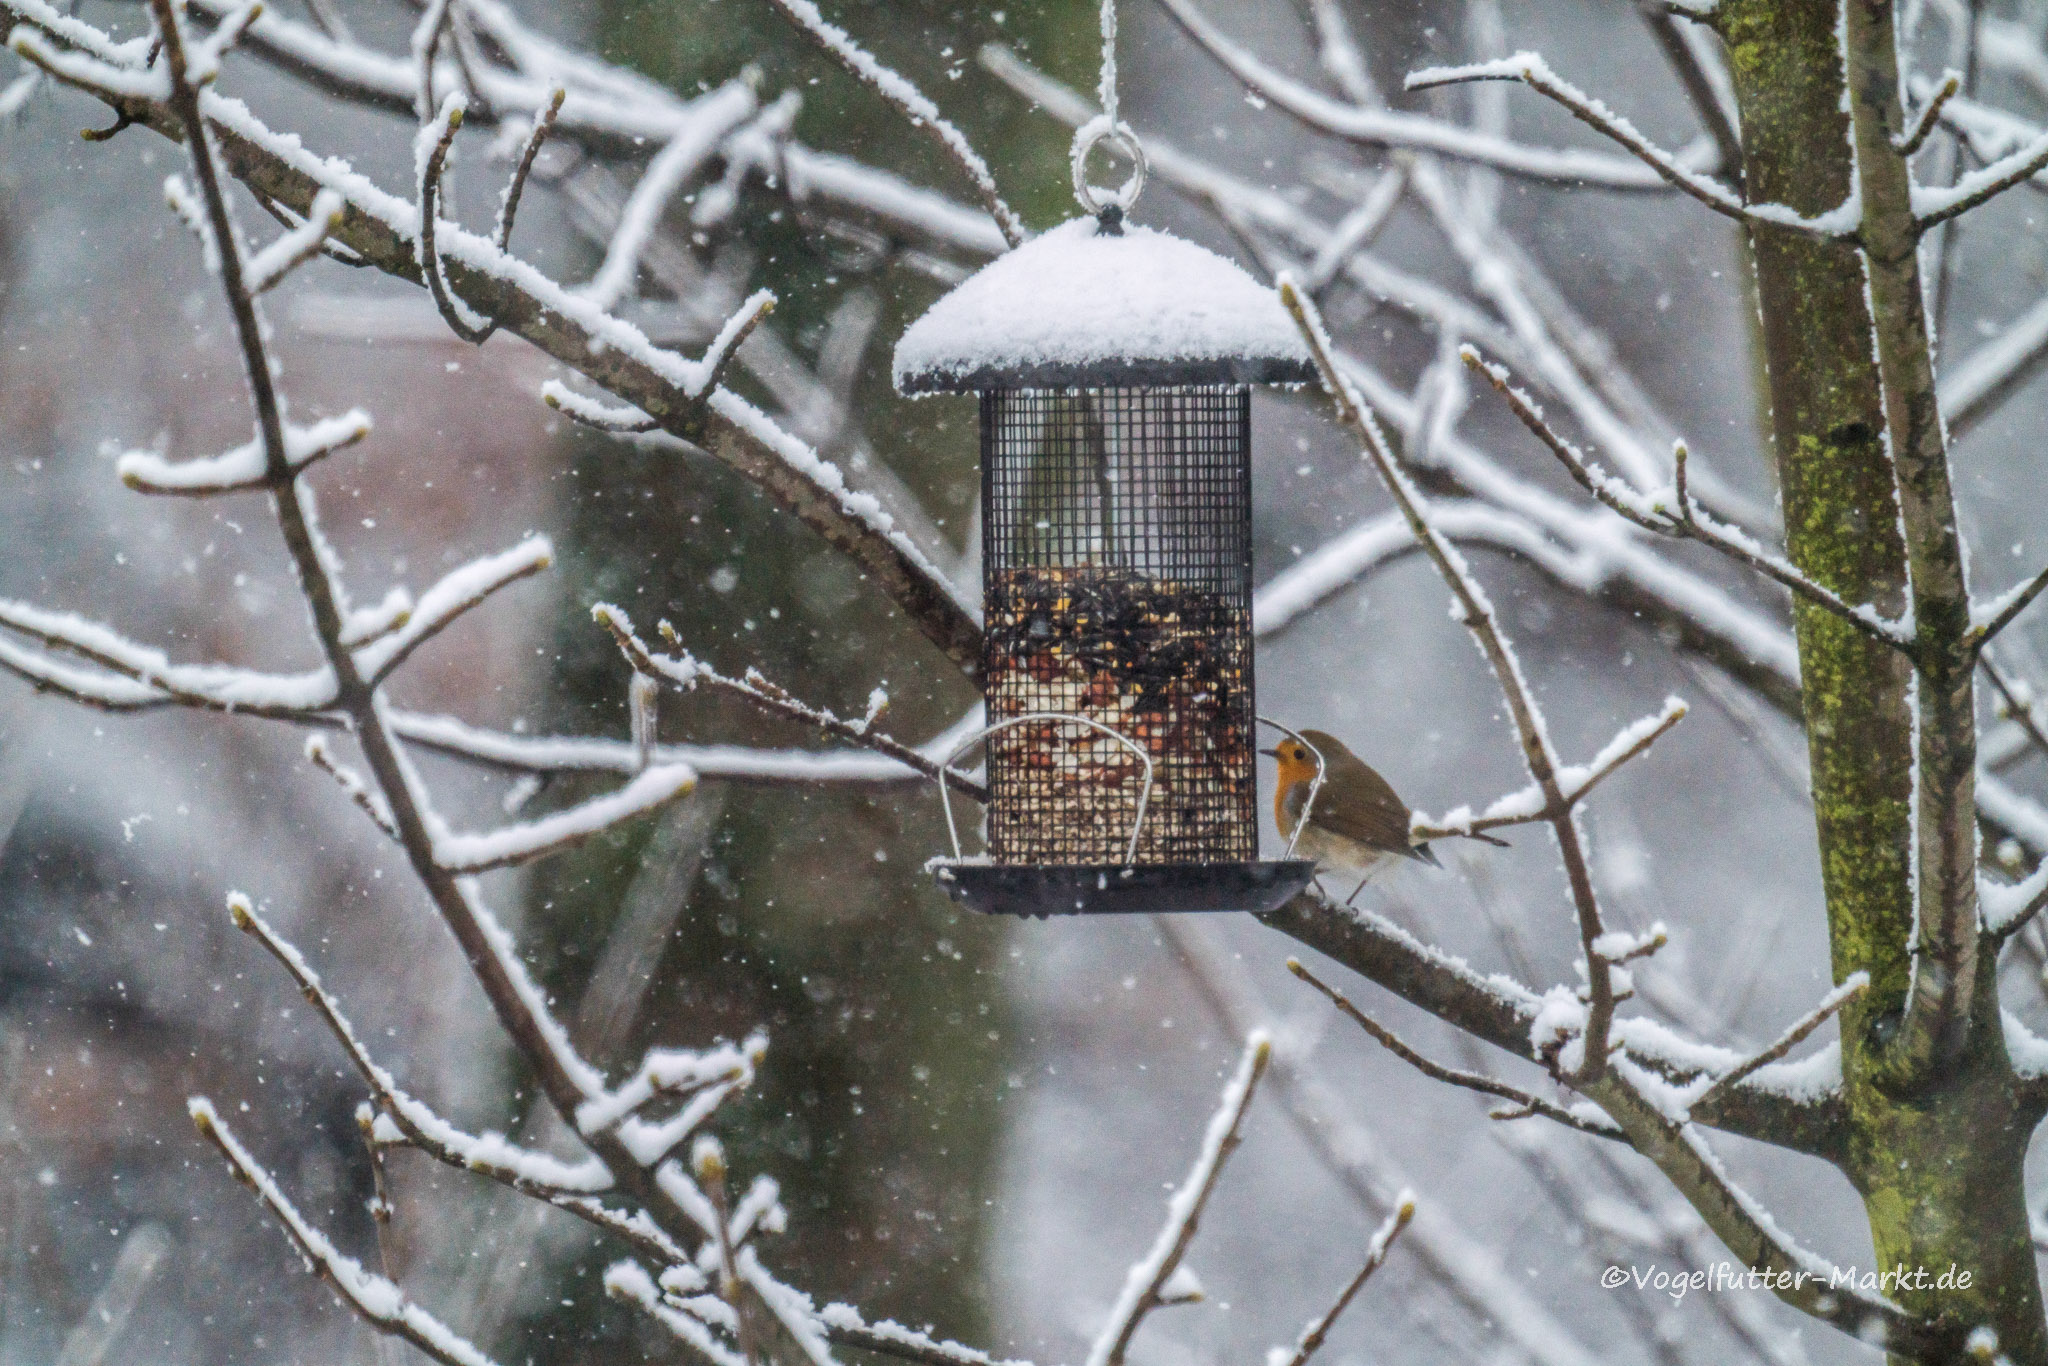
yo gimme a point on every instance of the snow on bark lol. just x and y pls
(528, 840)
(370, 1295)
(243, 466)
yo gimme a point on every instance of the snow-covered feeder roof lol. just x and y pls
(1081, 307)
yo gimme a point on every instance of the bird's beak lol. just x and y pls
(1270, 753)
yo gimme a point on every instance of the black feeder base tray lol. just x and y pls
(1111, 889)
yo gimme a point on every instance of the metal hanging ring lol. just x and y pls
(1087, 138)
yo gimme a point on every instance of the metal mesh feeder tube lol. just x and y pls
(1114, 368)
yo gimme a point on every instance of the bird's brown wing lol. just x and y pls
(1358, 803)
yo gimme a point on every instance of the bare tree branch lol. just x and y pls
(911, 101)
(1526, 1102)
(1685, 520)
(374, 1299)
(1384, 128)
(1532, 71)
(1855, 985)
(686, 672)
(1313, 1336)
(1145, 1286)
(1476, 613)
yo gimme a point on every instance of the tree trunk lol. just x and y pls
(1937, 1157)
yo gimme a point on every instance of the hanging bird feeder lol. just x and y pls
(1114, 365)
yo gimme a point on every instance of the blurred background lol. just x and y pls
(975, 1124)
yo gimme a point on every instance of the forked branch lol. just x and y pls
(1685, 519)
(1476, 612)
(686, 672)
(1525, 1102)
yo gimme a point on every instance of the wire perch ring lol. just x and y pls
(1144, 793)
(1315, 785)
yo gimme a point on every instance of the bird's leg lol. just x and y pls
(1359, 888)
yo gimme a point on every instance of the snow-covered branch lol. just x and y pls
(209, 687)
(1147, 1283)
(1658, 1127)
(1932, 205)
(1988, 619)
(1582, 1060)
(1525, 1103)
(551, 834)
(515, 188)
(243, 467)
(1397, 130)
(1574, 782)
(913, 103)
(1317, 1330)
(415, 1123)
(1914, 136)
(1678, 515)
(1531, 70)
(549, 756)
(844, 1326)
(430, 159)
(671, 169)
(453, 595)
(616, 419)
(1852, 987)
(366, 798)
(2006, 908)
(686, 672)
(268, 268)
(377, 1301)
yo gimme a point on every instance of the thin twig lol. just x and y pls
(687, 672)
(508, 207)
(1701, 90)
(1313, 1335)
(1471, 1081)
(2016, 705)
(1686, 521)
(1148, 1277)
(709, 1163)
(1855, 985)
(2009, 607)
(1529, 69)
(1929, 117)
(443, 128)
(373, 1298)
(1525, 808)
(351, 783)
(912, 102)
(1981, 186)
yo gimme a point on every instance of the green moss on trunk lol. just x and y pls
(1939, 1166)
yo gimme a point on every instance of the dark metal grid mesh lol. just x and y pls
(1116, 559)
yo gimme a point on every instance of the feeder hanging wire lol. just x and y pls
(1108, 126)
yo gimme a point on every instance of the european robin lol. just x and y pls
(1357, 825)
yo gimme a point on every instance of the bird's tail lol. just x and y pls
(1425, 854)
